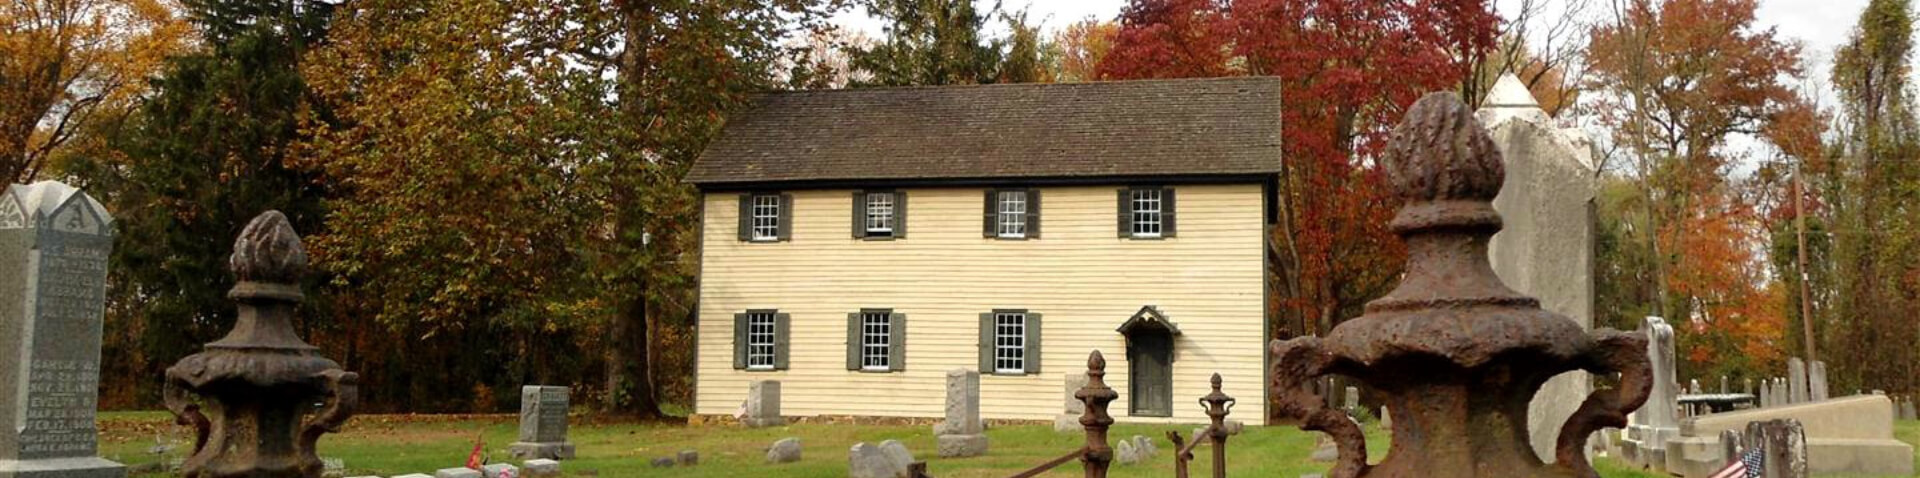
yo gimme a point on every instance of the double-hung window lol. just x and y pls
(1146, 212)
(760, 340)
(1010, 342)
(1012, 214)
(876, 340)
(765, 217)
(879, 214)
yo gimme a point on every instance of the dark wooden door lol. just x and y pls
(1150, 362)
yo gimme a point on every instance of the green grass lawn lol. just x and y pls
(388, 445)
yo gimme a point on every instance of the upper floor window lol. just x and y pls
(879, 214)
(765, 217)
(1146, 212)
(1012, 214)
(760, 340)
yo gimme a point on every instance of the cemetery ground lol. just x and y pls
(388, 445)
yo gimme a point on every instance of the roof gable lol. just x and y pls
(1187, 127)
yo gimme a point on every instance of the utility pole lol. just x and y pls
(1800, 233)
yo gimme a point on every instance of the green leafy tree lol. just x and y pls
(185, 172)
(454, 152)
(679, 68)
(930, 42)
(1875, 197)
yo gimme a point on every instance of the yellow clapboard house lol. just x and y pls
(858, 244)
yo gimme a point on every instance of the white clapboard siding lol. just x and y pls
(1084, 279)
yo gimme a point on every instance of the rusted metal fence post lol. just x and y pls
(1096, 395)
(1217, 405)
(1096, 455)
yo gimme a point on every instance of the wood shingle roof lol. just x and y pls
(1215, 127)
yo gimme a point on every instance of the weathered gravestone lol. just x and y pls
(1797, 380)
(763, 405)
(787, 450)
(1817, 380)
(1545, 248)
(543, 424)
(54, 244)
(962, 434)
(1656, 421)
(1069, 421)
(1784, 445)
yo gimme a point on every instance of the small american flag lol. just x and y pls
(1750, 465)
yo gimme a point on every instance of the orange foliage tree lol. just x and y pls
(1681, 78)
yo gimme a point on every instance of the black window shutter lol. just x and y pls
(1033, 214)
(989, 213)
(786, 217)
(853, 341)
(781, 338)
(739, 341)
(859, 214)
(1167, 209)
(986, 342)
(897, 342)
(1033, 343)
(746, 217)
(900, 214)
(1125, 213)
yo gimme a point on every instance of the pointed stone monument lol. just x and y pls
(54, 245)
(1545, 248)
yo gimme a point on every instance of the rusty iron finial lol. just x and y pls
(1456, 354)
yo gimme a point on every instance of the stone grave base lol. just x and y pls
(1850, 435)
(1064, 423)
(552, 451)
(1645, 446)
(957, 446)
(76, 467)
(763, 422)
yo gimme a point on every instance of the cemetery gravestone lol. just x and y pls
(962, 434)
(1546, 246)
(543, 424)
(1796, 380)
(763, 405)
(1069, 421)
(1817, 380)
(1655, 422)
(54, 245)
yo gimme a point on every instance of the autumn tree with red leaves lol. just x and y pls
(1349, 69)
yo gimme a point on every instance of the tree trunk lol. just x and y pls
(629, 365)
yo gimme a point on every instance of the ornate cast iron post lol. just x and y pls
(1456, 353)
(1097, 396)
(260, 383)
(1218, 404)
